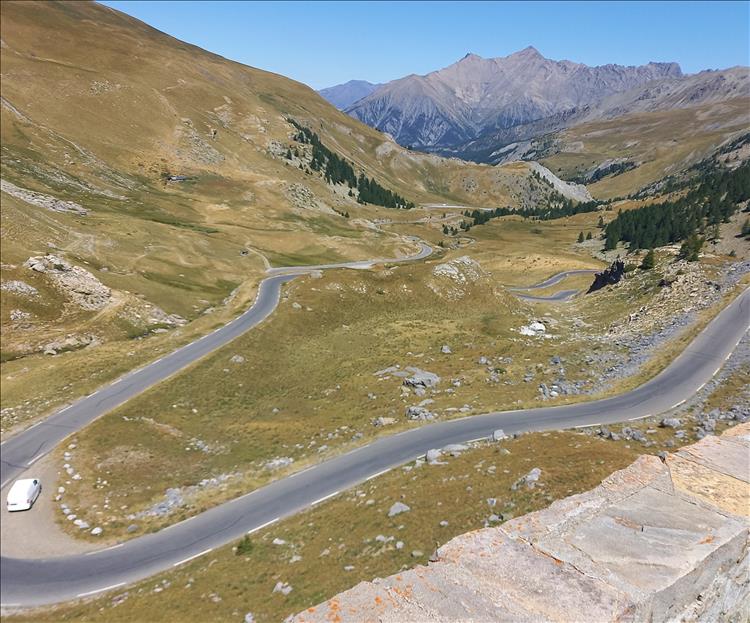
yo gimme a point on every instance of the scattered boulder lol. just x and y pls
(398, 508)
(433, 456)
(445, 349)
(283, 588)
(533, 329)
(72, 342)
(454, 449)
(237, 359)
(278, 463)
(670, 422)
(530, 479)
(383, 421)
(421, 379)
(499, 435)
(19, 314)
(417, 412)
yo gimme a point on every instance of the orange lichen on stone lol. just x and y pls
(588, 557)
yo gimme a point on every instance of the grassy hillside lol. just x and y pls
(656, 144)
(175, 162)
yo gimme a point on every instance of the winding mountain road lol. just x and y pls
(555, 279)
(22, 450)
(27, 582)
(557, 297)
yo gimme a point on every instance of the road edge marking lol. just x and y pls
(189, 558)
(101, 590)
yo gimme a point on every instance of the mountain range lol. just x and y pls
(476, 106)
(344, 95)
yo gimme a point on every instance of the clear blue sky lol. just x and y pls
(326, 43)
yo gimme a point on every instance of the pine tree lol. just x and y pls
(746, 228)
(588, 236)
(691, 248)
(600, 224)
(715, 233)
(580, 237)
(649, 261)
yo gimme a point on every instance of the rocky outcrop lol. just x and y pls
(576, 192)
(41, 200)
(452, 279)
(608, 276)
(19, 287)
(74, 281)
(662, 540)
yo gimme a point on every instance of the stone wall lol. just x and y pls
(662, 540)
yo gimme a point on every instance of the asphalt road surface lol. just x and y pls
(555, 279)
(557, 297)
(562, 295)
(25, 582)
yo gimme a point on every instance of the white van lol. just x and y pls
(23, 494)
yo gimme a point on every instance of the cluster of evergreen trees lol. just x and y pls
(336, 170)
(561, 207)
(712, 201)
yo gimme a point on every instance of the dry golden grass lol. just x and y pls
(342, 532)
(138, 105)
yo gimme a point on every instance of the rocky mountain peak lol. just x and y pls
(528, 52)
(460, 103)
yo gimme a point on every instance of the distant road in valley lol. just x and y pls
(557, 297)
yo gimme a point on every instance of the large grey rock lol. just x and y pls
(454, 449)
(416, 412)
(658, 541)
(421, 378)
(283, 588)
(398, 508)
(529, 479)
(671, 422)
(433, 456)
(499, 435)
